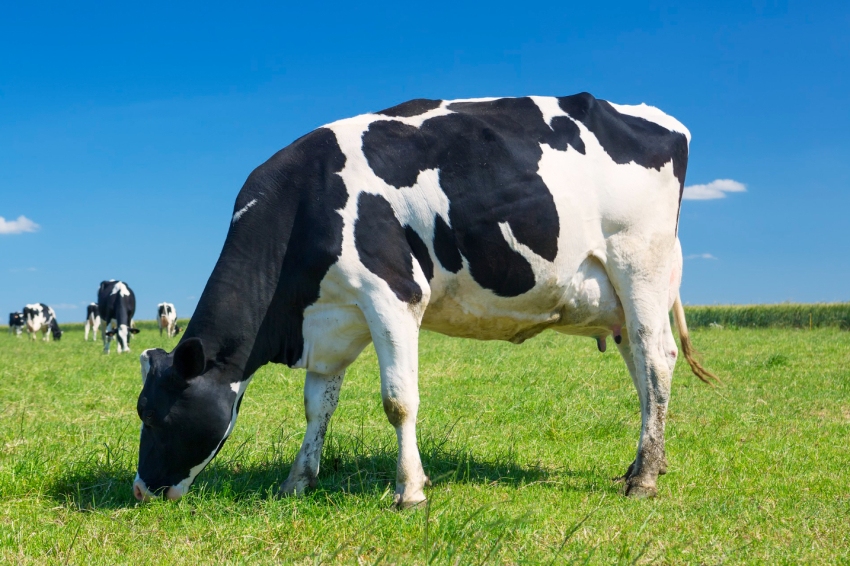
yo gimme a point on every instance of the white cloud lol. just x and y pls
(715, 189)
(21, 269)
(19, 226)
(700, 256)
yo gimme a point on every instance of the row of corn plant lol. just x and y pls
(786, 315)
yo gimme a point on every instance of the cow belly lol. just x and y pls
(587, 305)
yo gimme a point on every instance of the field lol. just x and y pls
(521, 443)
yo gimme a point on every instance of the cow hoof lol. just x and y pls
(411, 495)
(401, 503)
(295, 487)
(638, 491)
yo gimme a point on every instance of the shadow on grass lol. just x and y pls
(349, 466)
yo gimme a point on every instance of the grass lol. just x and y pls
(520, 441)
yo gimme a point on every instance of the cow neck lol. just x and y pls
(230, 314)
(284, 236)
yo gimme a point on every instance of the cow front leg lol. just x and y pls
(397, 350)
(321, 395)
(107, 338)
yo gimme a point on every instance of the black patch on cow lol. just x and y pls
(91, 311)
(420, 252)
(275, 256)
(411, 108)
(487, 155)
(565, 133)
(397, 152)
(445, 247)
(382, 246)
(628, 138)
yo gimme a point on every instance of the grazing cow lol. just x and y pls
(16, 323)
(487, 218)
(167, 316)
(92, 322)
(116, 304)
(39, 316)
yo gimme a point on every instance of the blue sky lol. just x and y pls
(126, 131)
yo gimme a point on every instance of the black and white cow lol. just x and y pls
(16, 323)
(116, 304)
(39, 316)
(486, 218)
(166, 314)
(92, 322)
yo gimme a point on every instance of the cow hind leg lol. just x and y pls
(650, 353)
(626, 352)
(321, 394)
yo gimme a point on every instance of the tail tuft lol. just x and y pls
(687, 346)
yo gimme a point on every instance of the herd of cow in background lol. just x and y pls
(115, 307)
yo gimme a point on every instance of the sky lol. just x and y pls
(126, 131)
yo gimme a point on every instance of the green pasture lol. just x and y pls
(521, 443)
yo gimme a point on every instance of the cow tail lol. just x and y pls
(688, 347)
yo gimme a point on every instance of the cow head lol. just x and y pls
(57, 333)
(122, 335)
(188, 408)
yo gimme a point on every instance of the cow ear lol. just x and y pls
(134, 331)
(189, 358)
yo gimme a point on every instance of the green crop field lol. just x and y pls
(521, 443)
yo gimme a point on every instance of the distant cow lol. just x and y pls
(39, 316)
(167, 317)
(16, 323)
(116, 304)
(92, 322)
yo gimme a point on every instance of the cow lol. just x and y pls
(92, 322)
(166, 314)
(491, 218)
(116, 304)
(16, 323)
(39, 316)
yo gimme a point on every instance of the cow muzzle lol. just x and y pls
(141, 492)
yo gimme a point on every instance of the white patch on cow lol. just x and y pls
(145, 362)
(653, 114)
(238, 214)
(122, 338)
(183, 487)
(121, 289)
(549, 107)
